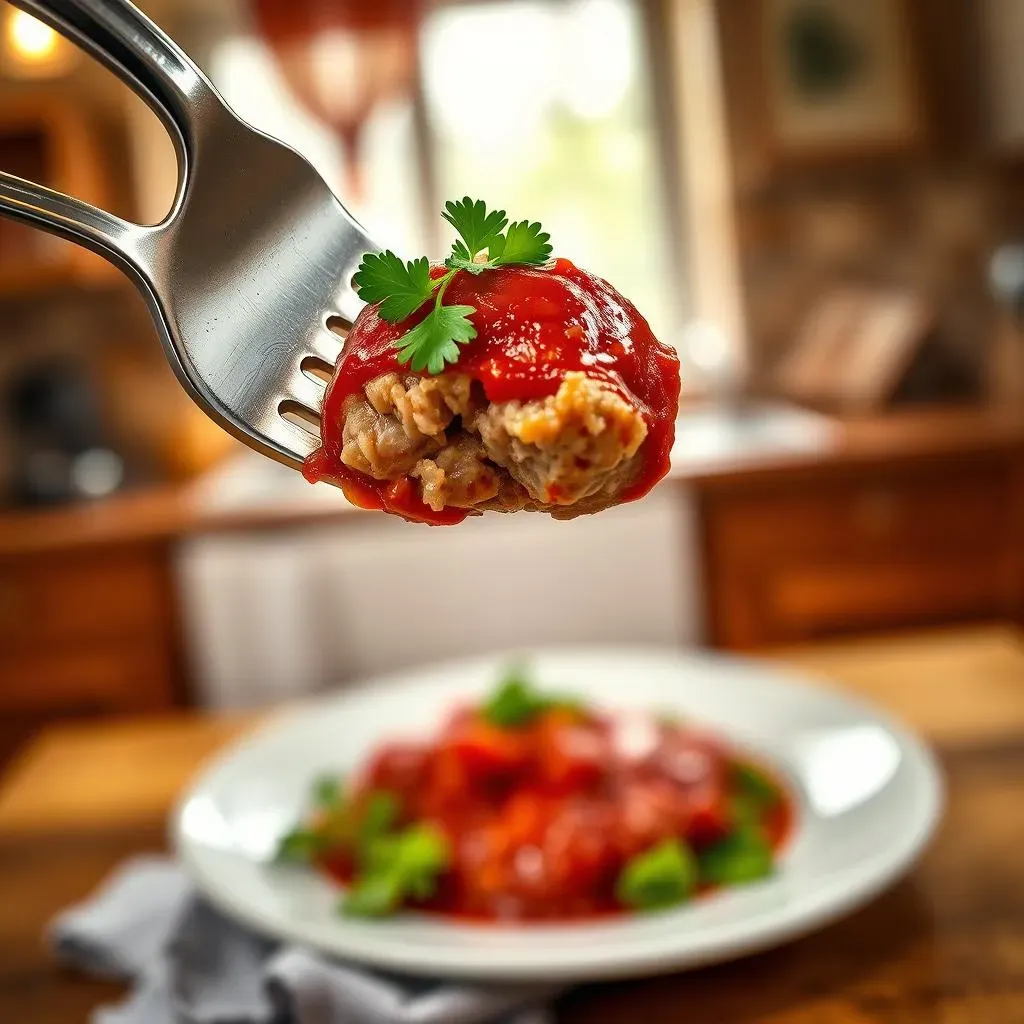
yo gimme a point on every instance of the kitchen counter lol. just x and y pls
(945, 944)
(775, 526)
(714, 448)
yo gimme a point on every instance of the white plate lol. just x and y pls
(868, 794)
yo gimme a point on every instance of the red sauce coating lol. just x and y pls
(541, 820)
(534, 325)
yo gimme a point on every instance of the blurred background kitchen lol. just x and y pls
(816, 200)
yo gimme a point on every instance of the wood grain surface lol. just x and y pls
(945, 946)
(171, 511)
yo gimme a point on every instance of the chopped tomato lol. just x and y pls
(580, 849)
(572, 755)
(398, 767)
(487, 752)
(543, 817)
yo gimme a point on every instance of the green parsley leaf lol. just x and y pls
(755, 785)
(744, 856)
(522, 243)
(516, 702)
(513, 705)
(435, 340)
(744, 811)
(326, 792)
(660, 877)
(373, 896)
(423, 855)
(300, 846)
(400, 288)
(460, 262)
(378, 818)
(479, 228)
(400, 866)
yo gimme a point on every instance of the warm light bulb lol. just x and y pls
(30, 38)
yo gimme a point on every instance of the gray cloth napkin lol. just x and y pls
(188, 964)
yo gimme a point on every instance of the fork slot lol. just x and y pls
(339, 326)
(300, 416)
(317, 369)
(346, 301)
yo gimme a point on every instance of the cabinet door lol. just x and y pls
(87, 632)
(787, 561)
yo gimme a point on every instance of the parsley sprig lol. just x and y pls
(399, 866)
(516, 702)
(486, 241)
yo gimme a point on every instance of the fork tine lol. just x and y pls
(293, 437)
(306, 391)
(346, 302)
(326, 345)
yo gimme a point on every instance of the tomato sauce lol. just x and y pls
(541, 820)
(534, 325)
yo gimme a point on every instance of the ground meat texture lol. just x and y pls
(458, 476)
(397, 421)
(570, 453)
(576, 444)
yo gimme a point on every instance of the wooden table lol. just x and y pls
(946, 945)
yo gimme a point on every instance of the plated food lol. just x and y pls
(534, 806)
(501, 380)
(866, 795)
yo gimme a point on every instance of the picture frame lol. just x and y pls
(1002, 42)
(840, 80)
(854, 347)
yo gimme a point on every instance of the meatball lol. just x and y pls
(564, 403)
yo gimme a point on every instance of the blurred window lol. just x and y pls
(542, 107)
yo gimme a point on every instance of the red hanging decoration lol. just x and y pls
(342, 58)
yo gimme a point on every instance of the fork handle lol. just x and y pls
(120, 36)
(113, 238)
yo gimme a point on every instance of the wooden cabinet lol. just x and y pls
(84, 633)
(790, 556)
(47, 141)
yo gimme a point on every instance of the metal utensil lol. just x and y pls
(252, 266)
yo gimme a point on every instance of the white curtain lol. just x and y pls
(275, 616)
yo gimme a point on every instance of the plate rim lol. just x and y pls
(784, 925)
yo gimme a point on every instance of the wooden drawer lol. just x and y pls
(132, 676)
(46, 600)
(790, 559)
(923, 511)
(803, 601)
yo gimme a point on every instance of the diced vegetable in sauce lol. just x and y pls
(535, 806)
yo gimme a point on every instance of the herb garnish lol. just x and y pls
(402, 288)
(515, 703)
(660, 877)
(399, 866)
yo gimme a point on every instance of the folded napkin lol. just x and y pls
(188, 964)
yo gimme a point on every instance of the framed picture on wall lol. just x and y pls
(841, 78)
(1002, 37)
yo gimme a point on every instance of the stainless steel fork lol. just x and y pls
(254, 260)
